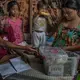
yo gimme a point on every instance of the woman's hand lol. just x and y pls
(65, 48)
(31, 51)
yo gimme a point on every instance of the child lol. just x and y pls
(3, 51)
(13, 24)
(40, 27)
(12, 27)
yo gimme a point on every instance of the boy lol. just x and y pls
(40, 26)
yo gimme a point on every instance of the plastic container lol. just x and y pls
(57, 62)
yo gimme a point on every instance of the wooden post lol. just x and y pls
(31, 17)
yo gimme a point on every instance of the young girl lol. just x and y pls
(13, 24)
(3, 51)
(40, 25)
(4, 44)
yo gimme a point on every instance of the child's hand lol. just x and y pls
(44, 13)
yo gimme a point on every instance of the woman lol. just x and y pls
(68, 33)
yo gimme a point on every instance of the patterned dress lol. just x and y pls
(67, 37)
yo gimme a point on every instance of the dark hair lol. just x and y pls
(73, 4)
(11, 4)
(41, 5)
(78, 3)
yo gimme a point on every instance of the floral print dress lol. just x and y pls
(67, 37)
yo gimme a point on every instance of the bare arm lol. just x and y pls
(13, 46)
(9, 44)
(72, 48)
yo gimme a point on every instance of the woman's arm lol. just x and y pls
(13, 46)
(72, 48)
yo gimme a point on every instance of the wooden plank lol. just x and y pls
(31, 17)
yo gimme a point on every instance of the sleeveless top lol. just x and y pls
(13, 29)
(67, 37)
